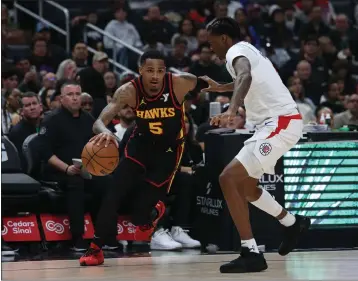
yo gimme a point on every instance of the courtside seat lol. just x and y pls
(51, 196)
(20, 192)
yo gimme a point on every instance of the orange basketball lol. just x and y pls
(100, 160)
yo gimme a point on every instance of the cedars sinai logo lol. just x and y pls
(55, 227)
(20, 227)
(4, 231)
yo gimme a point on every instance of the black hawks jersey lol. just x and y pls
(159, 117)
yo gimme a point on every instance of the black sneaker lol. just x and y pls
(246, 262)
(293, 233)
(80, 245)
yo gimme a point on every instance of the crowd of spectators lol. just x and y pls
(314, 50)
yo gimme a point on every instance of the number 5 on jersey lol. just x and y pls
(156, 128)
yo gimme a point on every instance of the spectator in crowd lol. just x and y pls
(78, 30)
(329, 51)
(67, 70)
(154, 44)
(123, 30)
(12, 104)
(187, 31)
(178, 59)
(57, 52)
(343, 74)
(41, 57)
(280, 36)
(350, 116)
(305, 9)
(80, 55)
(292, 22)
(201, 37)
(86, 102)
(62, 136)
(247, 30)
(10, 80)
(110, 80)
(126, 120)
(220, 10)
(92, 81)
(45, 98)
(332, 98)
(312, 89)
(305, 105)
(154, 21)
(322, 111)
(23, 66)
(30, 82)
(343, 34)
(48, 82)
(315, 25)
(30, 112)
(204, 66)
(55, 100)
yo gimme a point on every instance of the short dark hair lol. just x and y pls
(69, 83)
(225, 26)
(151, 54)
(29, 95)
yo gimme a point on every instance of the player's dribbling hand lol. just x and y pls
(223, 119)
(213, 86)
(104, 137)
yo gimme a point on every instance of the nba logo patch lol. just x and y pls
(265, 148)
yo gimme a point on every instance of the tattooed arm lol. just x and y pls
(242, 82)
(241, 87)
(182, 84)
(125, 95)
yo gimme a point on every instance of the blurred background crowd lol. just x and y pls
(313, 44)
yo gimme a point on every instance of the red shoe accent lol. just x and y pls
(93, 256)
(161, 210)
(148, 229)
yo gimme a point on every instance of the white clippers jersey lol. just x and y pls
(267, 97)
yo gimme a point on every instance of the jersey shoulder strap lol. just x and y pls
(139, 94)
(175, 101)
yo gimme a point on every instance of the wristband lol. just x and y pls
(67, 169)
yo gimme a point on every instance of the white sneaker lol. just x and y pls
(161, 240)
(180, 235)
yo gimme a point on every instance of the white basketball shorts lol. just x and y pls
(272, 139)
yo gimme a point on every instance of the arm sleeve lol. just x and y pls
(47, 138)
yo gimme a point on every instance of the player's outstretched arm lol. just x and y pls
(215, 86)
(125, 95)
(242, 83)
(183, 83)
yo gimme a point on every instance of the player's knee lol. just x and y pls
(226, 178)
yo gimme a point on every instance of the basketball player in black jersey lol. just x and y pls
(153, 151)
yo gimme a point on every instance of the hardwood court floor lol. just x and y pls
(322, 265)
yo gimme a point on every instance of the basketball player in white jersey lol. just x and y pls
(270, 107)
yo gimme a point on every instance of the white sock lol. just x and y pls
(288, 220)
(267, 204)
(251, 244)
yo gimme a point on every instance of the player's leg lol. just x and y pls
(126, 174)
(233, 177)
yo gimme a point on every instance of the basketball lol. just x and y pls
(100, 160)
